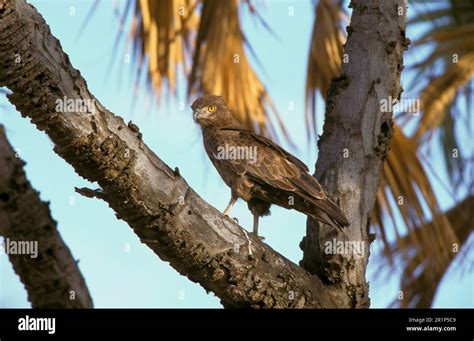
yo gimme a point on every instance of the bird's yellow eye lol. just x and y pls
(211, 108)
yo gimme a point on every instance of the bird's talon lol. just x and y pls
(257, 236)
(234, 218)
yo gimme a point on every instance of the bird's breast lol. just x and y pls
(230, 168)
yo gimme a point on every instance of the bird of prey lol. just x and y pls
(258, 170)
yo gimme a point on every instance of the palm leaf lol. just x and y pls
(451, 12)
(424, 248)
(405, 189)
(161, 36)
(403, 174)
(447, 33)
(452, 39)
(437, 14)
(220, 66)
(440, 93)
(423, 273)
(455, 165)
(325, 55)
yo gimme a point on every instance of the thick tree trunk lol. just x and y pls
(356, 141)
(48, 270)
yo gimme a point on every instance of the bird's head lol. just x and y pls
(212, 111)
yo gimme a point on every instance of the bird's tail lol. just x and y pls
(329, 213)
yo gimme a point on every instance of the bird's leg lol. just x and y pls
(255, 226)
(229, 205)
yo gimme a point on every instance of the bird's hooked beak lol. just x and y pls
(196, 115)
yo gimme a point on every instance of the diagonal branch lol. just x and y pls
(48, 270)
(165, 213)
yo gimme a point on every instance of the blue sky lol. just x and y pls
(119, 270)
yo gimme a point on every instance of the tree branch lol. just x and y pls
(165, 213)
(49, 272)
(356, 141)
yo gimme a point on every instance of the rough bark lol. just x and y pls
(52, 278)
(355, 141)
(165, 213)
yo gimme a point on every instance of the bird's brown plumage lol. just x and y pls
(258, 170)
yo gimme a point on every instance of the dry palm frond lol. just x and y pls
(455, 163)
(220, 67)
(454, 52)
(406, 189)
(423, 273)
(440, 93)
(450, 34)
(457, 11)
(425, 248)
(325, 55)
(446, 51)
(161, 32)
(404, 179)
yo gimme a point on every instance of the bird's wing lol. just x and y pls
(266, 141)
(276, 167)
